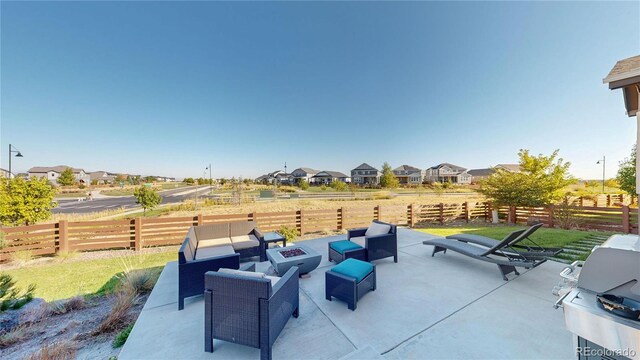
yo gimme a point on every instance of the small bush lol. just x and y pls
(323, 187)
(304, 184)
(124, 300)
(139, 281)
(64, 306)
(21, 257)
(3, 241)
(339, 186)
(61, 350)
(122, 337)
(10, 297)
(16, 335)
(289, 233)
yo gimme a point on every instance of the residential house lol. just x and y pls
(327, 177)
(366, 174)
(5, 174)
(102, 177)
(409, 175)
(303, 173)
(478, 175)
(446, 172)
(53, 173)
(269, 178)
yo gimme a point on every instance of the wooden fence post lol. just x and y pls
(466, 211)
(200, 219)
(301, 229)
(608, 200)
(138, 234)
(411, 219)
(441, 213)
(379, 212)
(487, 212)
(581, 200)
(551, 219)
(340, 224)
(512, 215)
(63, 241)
(626, 221)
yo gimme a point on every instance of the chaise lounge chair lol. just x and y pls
(500, 253)
(534, 250)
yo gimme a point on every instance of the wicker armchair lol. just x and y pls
(378, 246)
(248, 311)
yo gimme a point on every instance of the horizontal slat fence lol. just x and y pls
(64, 236)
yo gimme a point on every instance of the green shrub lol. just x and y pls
(339, 186)
(3, 241)
(10, 297)
(289, 233)
(122, 337)
(323, 187)
(304, 184)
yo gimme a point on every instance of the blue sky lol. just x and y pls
(166, 88)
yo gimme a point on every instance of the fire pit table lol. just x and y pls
(301, 256)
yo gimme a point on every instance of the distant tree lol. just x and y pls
(121, 178)
(202, 181)
(223, 181)
(94, 182)
(388, 179)
(133, 179)
(67, 177)
(339, 185)
(627, 174)
(541, 182)
(147, 198)
(189, 181)
(304, 184)
(150, 179)
(25, 202)
(247, 181)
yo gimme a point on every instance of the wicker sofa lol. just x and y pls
(249, 309)
(380, 240)
(211, 247)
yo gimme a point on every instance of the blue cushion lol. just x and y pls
(354, 268)
(344, 245)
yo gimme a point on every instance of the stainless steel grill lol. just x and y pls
(612, 268)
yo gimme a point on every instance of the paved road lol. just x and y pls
(127, 202)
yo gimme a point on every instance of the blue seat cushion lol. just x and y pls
(344, 245)
(354, 268)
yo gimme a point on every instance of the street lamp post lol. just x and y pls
(210, 181)
(18, 154)
(603, 162)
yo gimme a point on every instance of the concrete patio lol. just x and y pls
(448, 306)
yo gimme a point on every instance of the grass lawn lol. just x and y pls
(117, 192)
(69, 278)
(543, 236)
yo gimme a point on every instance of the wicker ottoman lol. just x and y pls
(350, 280)
(345, 249)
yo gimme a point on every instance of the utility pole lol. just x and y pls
(210, 181)
(603, 161)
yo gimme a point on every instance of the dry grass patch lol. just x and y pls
(123, 300)
(61, 350)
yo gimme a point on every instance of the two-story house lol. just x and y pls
(446, 172)
(53, 173)
(409, 175)
(102, 177)
(365, 174)
(303, 173)
(326, 177)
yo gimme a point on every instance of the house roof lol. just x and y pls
(365, 166)
(335, 174)
(274, 173)
(307, 170)
(454, 167)
(509, 167)
(481, 172)
(58, 169)
(624, 69)
(406, 168)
